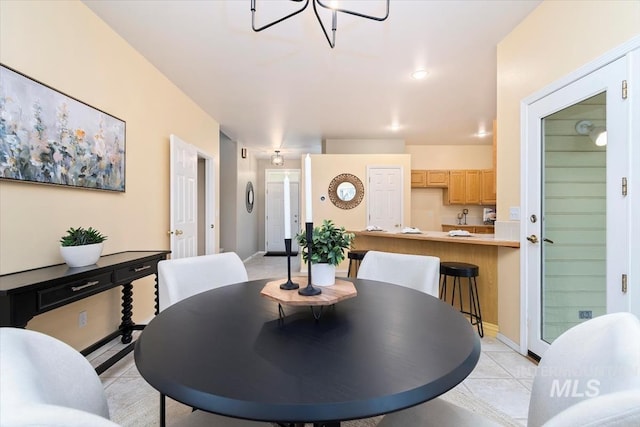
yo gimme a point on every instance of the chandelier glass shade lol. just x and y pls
(334, 16)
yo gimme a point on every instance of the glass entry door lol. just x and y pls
(577, 222)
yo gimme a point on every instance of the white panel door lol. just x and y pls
(275, 216)
(184, 178)
(577, 223)
(384, 195)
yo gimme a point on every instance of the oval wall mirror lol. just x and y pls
(346, 191)
(250, 197)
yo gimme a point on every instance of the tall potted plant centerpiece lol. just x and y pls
(328, 245)
(81, 247)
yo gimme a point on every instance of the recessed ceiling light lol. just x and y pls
(419, 74)
(395, 127)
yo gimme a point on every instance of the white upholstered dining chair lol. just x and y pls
(418, 272)
(589, 376)
(183, 277)
(45, 382)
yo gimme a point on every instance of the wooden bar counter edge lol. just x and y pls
(481, 250)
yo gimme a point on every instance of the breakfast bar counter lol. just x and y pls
(478, 249)
(443, 236)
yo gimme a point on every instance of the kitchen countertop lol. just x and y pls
(443, 236)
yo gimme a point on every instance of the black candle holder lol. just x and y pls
(288, 285)
(309, 290)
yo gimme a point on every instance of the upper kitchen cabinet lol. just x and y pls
(488, 195)
(429, 178)
(438, 179)
(464, 188)
(418, 178)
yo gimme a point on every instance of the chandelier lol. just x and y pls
(277, 159)
(334, 17)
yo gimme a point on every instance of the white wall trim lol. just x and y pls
(510, 343)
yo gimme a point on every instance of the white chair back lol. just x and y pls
(184, 277)
(45, 382)
(418, 272)
(590, 360)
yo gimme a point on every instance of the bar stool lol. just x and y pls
(470, 271)
(355, 258)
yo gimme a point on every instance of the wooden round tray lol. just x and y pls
(341, 290)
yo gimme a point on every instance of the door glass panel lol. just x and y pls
(574, 206)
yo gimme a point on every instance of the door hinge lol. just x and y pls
(624, 185)
(624, 283)
(624, 89)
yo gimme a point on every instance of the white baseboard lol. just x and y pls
(508, 342)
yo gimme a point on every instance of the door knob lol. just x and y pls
(179, 232)
(533, 238)
(169, 232)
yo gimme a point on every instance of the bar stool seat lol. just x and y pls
(355, 258)
(470, 271)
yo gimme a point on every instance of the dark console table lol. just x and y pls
(26, 294)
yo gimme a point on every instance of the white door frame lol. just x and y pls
(210, 202)
(401, 189)
(292, 172)
(210, 206)
(631, 49)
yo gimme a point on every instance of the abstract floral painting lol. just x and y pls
(49, 137)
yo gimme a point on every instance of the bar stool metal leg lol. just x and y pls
(474, 306)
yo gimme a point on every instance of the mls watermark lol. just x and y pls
(575, 388)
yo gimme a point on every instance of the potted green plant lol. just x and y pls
(81, 247)
(328, 245)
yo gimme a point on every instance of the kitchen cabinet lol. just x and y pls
(488, 193)
(438, 179)
(418, 178)
(477, 229)
(429, 178)
(464, 188)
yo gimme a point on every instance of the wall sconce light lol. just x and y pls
(243, 153)
(277, 159)
(598, 134)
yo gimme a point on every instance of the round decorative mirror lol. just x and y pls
(346, 191)
(250, 197)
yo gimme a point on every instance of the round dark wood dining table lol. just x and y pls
(226, 351)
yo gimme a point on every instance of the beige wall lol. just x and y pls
(451, 157)
(427, 210)
(64, 45)
(325, 167)
(555, 39)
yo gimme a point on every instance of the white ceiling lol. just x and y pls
(285, 88)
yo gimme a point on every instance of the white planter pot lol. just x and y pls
(81, 256)
(323, 274)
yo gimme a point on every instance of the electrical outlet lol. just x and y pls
(585, 314)
(82, 319)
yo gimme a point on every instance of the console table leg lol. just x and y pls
(127, 309)
(156, 294)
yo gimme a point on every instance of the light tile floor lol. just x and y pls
(502, 377)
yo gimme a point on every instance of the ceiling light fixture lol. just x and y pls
(598, 134)
(334, 16)
(419, 74)
(277, 159)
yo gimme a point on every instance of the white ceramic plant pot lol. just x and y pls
(81, 256)
(323, 274)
